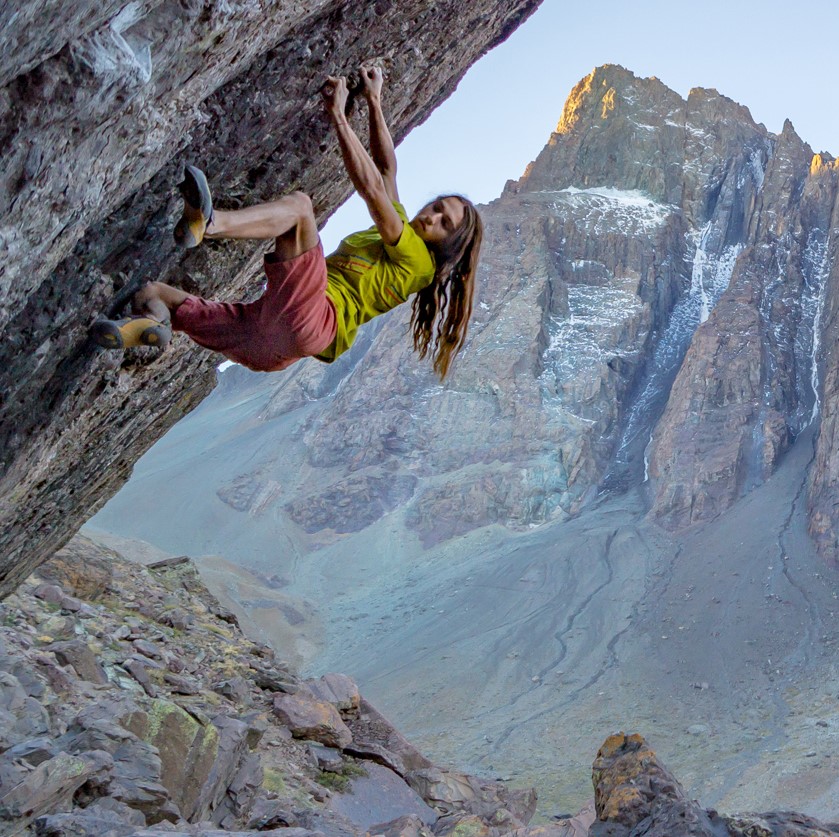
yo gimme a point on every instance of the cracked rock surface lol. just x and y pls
(101, 106)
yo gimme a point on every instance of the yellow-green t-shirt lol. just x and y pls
(366, 277)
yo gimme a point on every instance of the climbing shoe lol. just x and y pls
(198, 208)
(130, 332)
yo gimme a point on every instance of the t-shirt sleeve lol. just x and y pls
(409, 255)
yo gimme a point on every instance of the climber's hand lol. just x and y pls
(334, 92)
(372, 79)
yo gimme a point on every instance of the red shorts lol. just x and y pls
(293, 319)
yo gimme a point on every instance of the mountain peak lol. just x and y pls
(599, 91)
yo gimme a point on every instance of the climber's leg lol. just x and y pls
(151, 324)
(289, 220)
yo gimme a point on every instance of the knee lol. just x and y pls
(302, 205)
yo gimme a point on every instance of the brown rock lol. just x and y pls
(312, 719)
(635, 794)
(373, 736)
(81, 567)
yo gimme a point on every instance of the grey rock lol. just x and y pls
(50, 784)
(148, 649)
(30, 679)
(379, 796)
(59, 627)
(49, 593)
(21, 717)
(176, 618)
(327, 758)
(236, 689)
(140, 673)
(33, 752)
(78, 654)
(450, 792)
(214, 777)
(86, 823)
(337, 689)
(181, 685)
(274, 679)
(71, 604)
(267, 814)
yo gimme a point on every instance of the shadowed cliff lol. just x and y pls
(101, 106)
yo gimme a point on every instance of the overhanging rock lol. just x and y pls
(102, 103)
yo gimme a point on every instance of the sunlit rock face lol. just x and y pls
(101, 105)
(654, 294)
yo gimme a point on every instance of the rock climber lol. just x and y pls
(313, 305)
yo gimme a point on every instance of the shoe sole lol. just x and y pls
(126, 334)
(198, 208)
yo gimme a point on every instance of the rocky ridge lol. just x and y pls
(101, 105)
(131, 703)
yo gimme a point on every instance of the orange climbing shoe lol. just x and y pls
(131, 332)
(198, 208)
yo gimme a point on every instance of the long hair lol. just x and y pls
(440, 311)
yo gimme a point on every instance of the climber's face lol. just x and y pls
(436, 221)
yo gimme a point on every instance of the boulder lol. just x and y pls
(312, 719)
(50, 784)
(79, 655)
(337, 689)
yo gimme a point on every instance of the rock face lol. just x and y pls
(196, 724)
(657, 305)
(101, 105)
(635, 794)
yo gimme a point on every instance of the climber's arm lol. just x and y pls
(381, 142)
(365, 176)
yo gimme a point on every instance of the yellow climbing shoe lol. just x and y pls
(131, 332)
(198, 208)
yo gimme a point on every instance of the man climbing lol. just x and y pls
(313, 305)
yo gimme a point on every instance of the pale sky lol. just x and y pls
(776, 57)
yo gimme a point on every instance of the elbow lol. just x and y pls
(372, 189)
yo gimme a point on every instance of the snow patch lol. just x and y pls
(584, 341)
(710, 275)
(628, 210)
(816, 264)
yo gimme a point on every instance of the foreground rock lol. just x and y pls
(636, 796)
(188, 736)
(144, 708)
